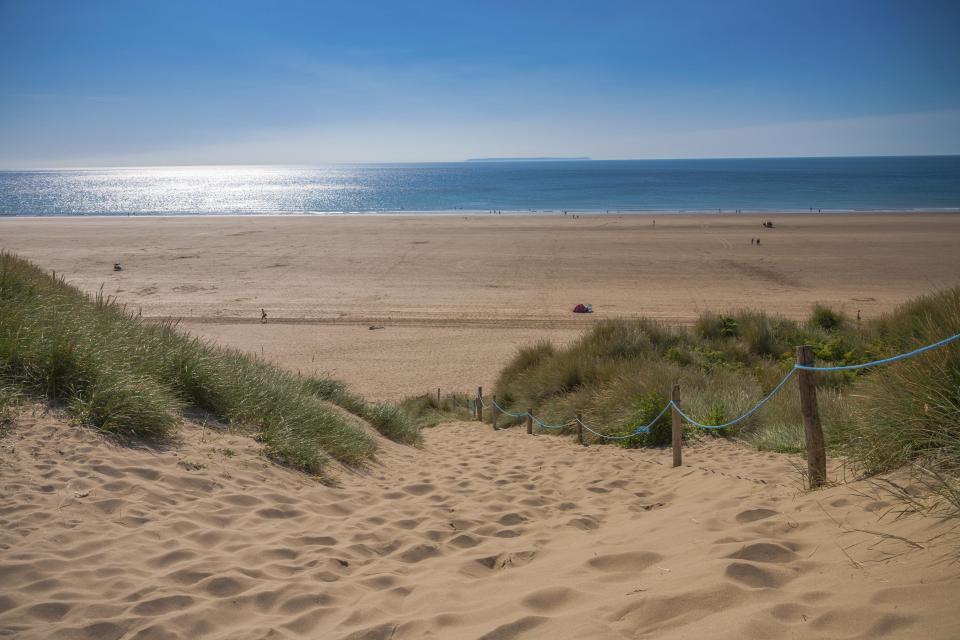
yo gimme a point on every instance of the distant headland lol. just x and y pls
(543, 159)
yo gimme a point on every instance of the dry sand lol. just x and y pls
(480, 534)
(477, 534)
(457, 295)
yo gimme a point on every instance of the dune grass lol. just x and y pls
(389, 419)
(132, 378)
(910, 411)
(620, 373)
(426, 411)
(8, 405)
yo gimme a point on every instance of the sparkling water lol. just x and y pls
(769, 184)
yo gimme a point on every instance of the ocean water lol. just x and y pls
(765, 185)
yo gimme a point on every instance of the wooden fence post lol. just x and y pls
(480, 404)
(676, 435)
(812, 430)
(494, 412)
(438, 395)
(579, 429)
(529, 422)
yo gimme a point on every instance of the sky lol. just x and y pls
(158, 82)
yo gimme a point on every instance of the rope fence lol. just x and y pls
(804, 369)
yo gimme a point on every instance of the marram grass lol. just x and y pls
(133, 378)
(620, 374)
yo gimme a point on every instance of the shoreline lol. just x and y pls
(485, 213)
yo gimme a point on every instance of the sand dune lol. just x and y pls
(479, 534)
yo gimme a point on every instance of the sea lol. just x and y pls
(914, 183)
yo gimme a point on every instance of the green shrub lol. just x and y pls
(825, 318)
(645, 409)
(713, 326)
(679, 355)
(757, 333)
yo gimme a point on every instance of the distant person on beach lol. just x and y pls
(263, 316)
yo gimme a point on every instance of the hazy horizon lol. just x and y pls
(492, 160)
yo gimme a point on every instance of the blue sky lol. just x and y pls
(194, 82)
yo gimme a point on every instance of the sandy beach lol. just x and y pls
(479, 533)
(406, 321)
(457, 295)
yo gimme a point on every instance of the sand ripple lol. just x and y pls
(480, 534)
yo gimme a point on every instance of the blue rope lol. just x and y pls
(744, 416)
(544, 425)
(642, 428)
(797, 367)
(502, 410)
(902, 356)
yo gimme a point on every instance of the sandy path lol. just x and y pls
(456, 295)
(478, 534)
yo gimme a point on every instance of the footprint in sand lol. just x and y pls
(317, 541)
(241, 500)
(515, 629)
(465, 541)
(549, 599)
(170, 558)
(484, 566)
(765, 552)
(161, 606)
(584, 523)
(225, 586)
(632, 561)
(49, 611)
(752, 515)
(420, 489)
(418, 553)
(511, 519)
(789, 612)
(757, 577)
(273, 513)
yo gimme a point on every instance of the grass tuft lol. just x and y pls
(132, 378)
(726, 363)
(389, 419)
(426, 411)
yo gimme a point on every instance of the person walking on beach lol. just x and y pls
(263, 316)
